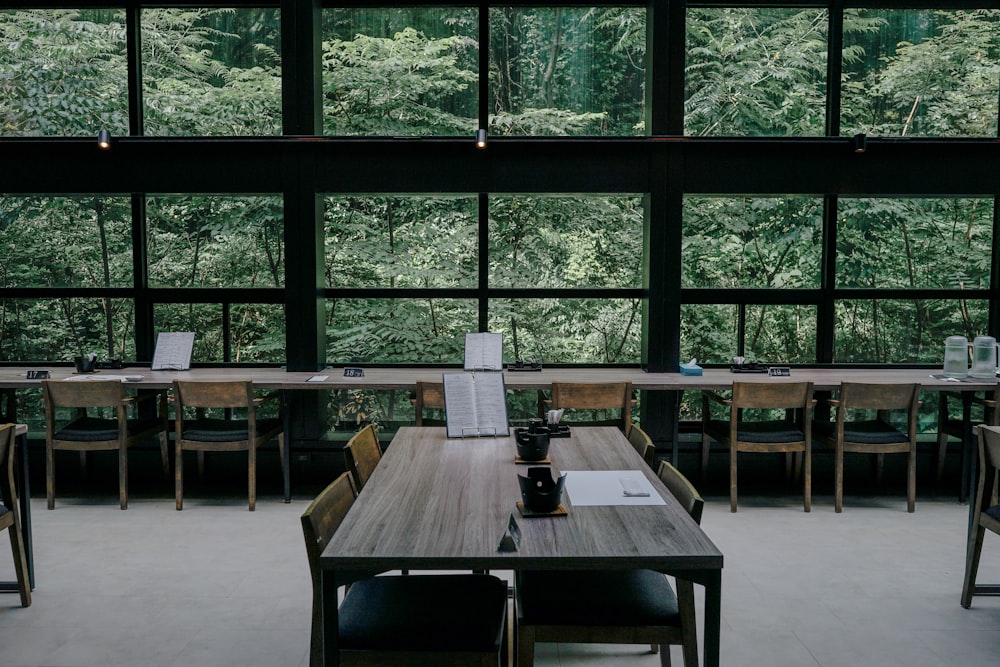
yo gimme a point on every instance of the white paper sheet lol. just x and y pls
(607, 487)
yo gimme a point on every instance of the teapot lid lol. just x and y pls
(957, 340)
(984, 340)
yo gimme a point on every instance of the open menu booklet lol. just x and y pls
(475, 405)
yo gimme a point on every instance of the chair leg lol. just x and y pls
(807, 474)
(911, 481)
(83, 464)
(179, 476)
(123, 477)
(20, 564)
(732, 478)
(665, 655)
(252, 475)
(838, 480)
(50, 477)
(201, 466)
(972, 564)
(705, 444)
(879, 468)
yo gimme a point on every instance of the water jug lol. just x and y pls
(984, 357)
(956, 357)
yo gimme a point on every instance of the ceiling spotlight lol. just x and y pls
(860, 143)
(104, 140)
(481, 138)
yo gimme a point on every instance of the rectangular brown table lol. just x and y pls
(435, 503)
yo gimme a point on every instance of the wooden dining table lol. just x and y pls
(438, 503)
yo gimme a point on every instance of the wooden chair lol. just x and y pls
(861, 434)
(610, 607)
(86, 433)
(214, 434)
(985, 513)
(957, 428)
(595, 396)
(452, 620)
(643, 444)
(791, 434)
(361, 454)
(428, 396)
(10, 517)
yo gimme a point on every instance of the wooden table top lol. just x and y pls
(406, 378)
(439, 503)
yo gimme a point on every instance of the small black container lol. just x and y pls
(539, 491)
(532, 442)
(84, 364)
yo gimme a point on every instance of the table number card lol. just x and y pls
(351, 372)
(36, 375)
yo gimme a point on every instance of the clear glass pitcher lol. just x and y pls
(956, 357)
(984, 357)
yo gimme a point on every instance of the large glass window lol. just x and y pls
(410, 331)
(231, 333)
(63, 72)
(732, 242)
(773, 334)
(65, 242)
(211, 71)
(911, 73)
(60, 328)
(568, 241)
(215, 241)
(914, 243)
(755, 72)
(567, 70)
(401, 241)
(400, 71)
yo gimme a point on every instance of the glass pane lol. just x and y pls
(732, 242)
(567, 70)
(63, 72)
(568, 331)
(566, 241)
(60, 329)
(215, 241)
(400, 71)
(204, 319)
(921, 73)
(65, 242)
(775, 334)
(914, 243)
(755, 72)
(401, 241)
(903, 330)
(257, 333)
(411, 331)
(211, 72)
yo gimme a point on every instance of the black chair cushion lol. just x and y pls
(994, 512)
(870, 432)
(3, 509)
(225, 430)
(596, 598)
(460, 612)
(762, 431)
(93, 429)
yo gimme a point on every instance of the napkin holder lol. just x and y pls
(541, 493)
(691, 368)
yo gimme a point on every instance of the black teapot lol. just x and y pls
(539, 491)
(532, 442)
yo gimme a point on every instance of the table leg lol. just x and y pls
(328, 584)
(286, 455)
(965, 486)
(713, 617)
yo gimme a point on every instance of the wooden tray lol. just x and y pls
(541, 462)
(529, 514)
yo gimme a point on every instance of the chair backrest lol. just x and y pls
(682, 490)
(85, 394)
(595, 396)
(428, 396)
(642, 443)
(324, 515)
(237, 393)
(882, 397)
(989, 467)
(777, 395)
(319, 522)
(361, 454)
(8, 492)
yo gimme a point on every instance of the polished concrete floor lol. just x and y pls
(218, 585)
